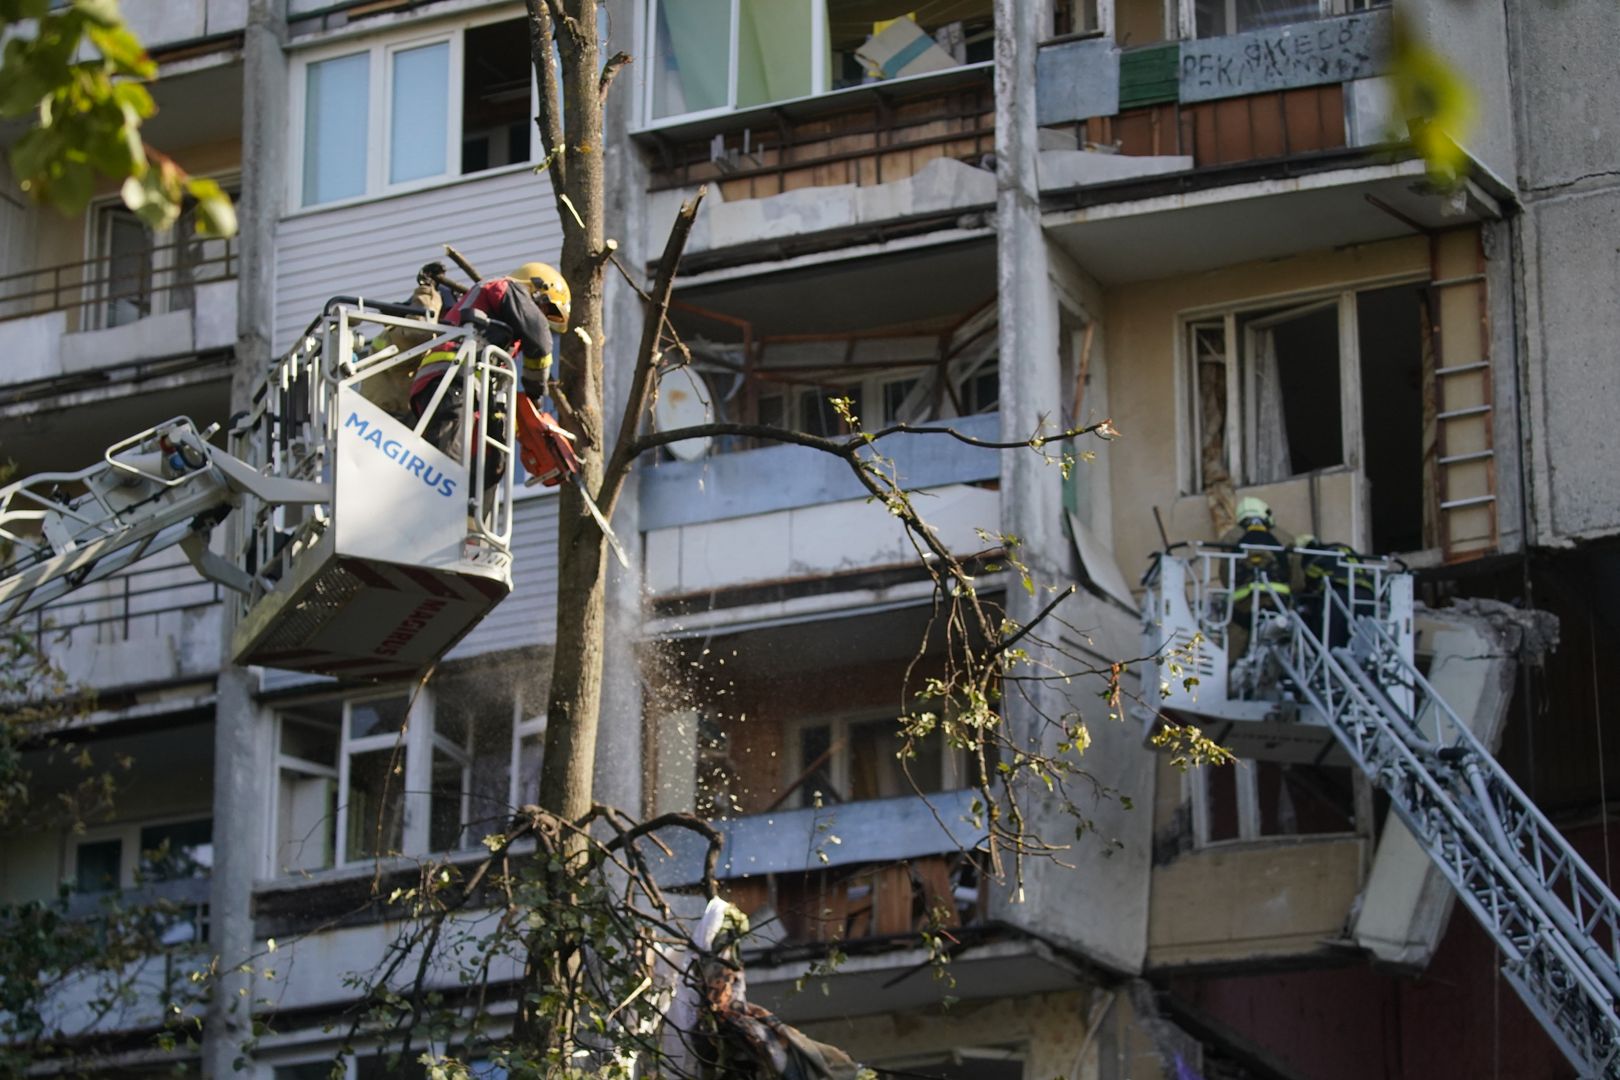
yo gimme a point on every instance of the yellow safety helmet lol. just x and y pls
(1250, 508)
(547, 286)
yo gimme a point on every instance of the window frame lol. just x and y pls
(1240, 379)
(818, 72)
(97, 246)
(952, 771)
(419, 743)
(382, 51)
(1246, 783)
(1181, 16)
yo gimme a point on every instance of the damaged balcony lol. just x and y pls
(1282, 126)
(740, 522)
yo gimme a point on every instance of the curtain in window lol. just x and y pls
(1271, 458)
(693, 62)
(773, 51)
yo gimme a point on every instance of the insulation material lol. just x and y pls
(903, 48)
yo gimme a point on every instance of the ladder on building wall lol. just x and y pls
(1555, 922)
(1460, 446)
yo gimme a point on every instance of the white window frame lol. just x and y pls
(1182, 15)
(1239, 375)
(1246, 778)
(128, 834)
(377, 138)
(418, 744)
(952, 771)
(818, 72)
(522, 728)
(97, 246)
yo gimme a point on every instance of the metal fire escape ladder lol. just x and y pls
(1557, 925)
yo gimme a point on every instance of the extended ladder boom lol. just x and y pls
(162, 487)
(1556, 924)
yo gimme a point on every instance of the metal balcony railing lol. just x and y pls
(123, 607)
(122, 287)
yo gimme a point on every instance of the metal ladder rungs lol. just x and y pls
(1458, 414)
(1466, 279)
(1461, 459)
(1463, 369)
(1458, 504)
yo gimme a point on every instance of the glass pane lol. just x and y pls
(380, 717)
(531, 755)
(178, 851)
(817, 789)
(376, 803)
(306, 822)
(1262, 14)
(100, 866)
(128, 268)
(495, 124)
(691, 58)
(1209, 410)
(773, 51)
(444, 817)
(419, 113)
(875, 769)
(336, 104)
(894, 396)
(311, 733)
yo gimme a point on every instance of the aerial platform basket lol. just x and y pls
(1203, 676)
(414, 546)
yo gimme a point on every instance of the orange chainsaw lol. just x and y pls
(547, 452)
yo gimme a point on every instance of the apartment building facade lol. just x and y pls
(1192, 218)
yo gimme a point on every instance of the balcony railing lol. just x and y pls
(144, 603)
(114, 289)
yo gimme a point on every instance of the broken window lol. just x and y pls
(1293, 425)
(1252, 800)
(344, 770)
(1281, 392)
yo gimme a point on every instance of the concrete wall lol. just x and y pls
(161, 23)
(1249, 902)
(1473, 37)
(1142, 329)
(1569, 180)
(808, 542)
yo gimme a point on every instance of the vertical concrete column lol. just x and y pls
(242, 753)
(619, 749)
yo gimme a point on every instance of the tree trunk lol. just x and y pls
(573, 712)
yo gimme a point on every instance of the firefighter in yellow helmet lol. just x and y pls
(1262, 578)
(528, 304)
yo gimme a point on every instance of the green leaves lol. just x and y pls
(76, 70)
(1436, 102)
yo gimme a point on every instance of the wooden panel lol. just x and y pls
(1268, 122)
(1149, 75)
(374, 248)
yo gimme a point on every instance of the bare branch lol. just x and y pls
(549, 120)
(610, 70)
(627, 448)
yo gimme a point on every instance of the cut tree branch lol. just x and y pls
(610, 70)
(645, 375)
(549, 121)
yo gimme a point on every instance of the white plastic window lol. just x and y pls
(435, 107)
(419, 113)
(337, 109)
